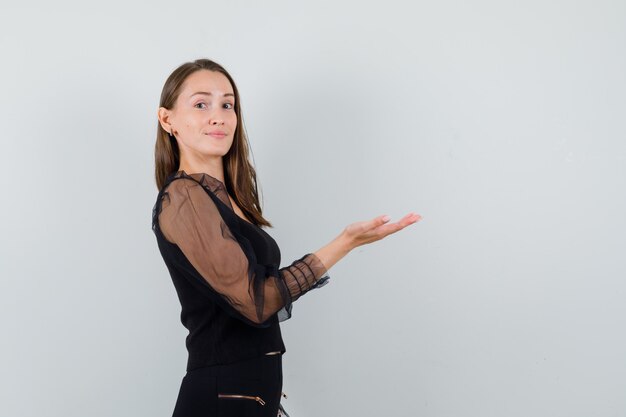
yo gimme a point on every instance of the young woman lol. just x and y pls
(208, 223)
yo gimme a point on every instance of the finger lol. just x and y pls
(407, 220)
(377, 222)
(381, 226)
(410, 219)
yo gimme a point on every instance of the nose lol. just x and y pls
(216, 119)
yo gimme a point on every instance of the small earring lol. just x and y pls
(171, 136)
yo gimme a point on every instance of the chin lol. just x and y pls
(215, 151)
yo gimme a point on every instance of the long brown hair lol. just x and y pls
(239, 174)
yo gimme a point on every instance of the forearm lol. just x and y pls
(339, 247)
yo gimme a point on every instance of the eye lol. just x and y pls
(200, 105)
(229, 104)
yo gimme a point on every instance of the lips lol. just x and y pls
(217, 134)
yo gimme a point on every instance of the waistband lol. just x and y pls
(258, 367)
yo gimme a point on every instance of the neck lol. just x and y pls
(213, 166)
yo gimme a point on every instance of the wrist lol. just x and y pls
(339, 247)
(344, 242)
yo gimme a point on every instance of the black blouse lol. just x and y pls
(225, 271)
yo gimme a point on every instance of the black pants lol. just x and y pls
(247, 388)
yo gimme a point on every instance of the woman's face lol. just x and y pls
(203, 119)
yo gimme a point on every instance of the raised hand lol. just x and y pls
(361, 233)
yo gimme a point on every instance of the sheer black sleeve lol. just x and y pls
(192, 219)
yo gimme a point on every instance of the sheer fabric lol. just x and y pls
(195, 214)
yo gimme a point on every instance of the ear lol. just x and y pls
(164, 116)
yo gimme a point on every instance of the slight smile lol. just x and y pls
(217, 134)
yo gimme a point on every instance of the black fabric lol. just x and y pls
(214, 390)
(233, 308)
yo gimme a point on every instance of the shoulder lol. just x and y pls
(186, 208)
(180, 186)
(181, 181)
(199, 191)
(186, 192)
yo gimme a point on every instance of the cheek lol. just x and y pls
(185, 123)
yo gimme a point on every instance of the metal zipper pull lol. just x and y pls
(246, 397)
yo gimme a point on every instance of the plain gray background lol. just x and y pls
(500, 122)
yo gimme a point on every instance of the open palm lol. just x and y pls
(368, 231)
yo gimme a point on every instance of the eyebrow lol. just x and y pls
(209, 94)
